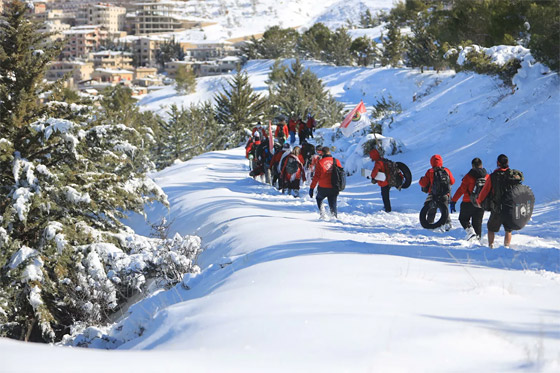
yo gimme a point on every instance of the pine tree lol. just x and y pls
(24, 55)
(338, 52)
(300, 91)
(422, 49)
(314, 43)
(238, 106)
(65, 187)
(185, 80)
(365, 51)
(392, 45)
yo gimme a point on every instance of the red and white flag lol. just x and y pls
(355, 120)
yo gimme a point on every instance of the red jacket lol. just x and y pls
(299, 173)
(428, 178)
(466, 188)
(276, 158)
(292, 125)
(379, 167)
(323, 172)
(311, 122)
(250, 146)
(284, 132)
(487, 187)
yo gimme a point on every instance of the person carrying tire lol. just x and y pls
(469, 212)
(384, 184)
(437, 183)
(495, 188)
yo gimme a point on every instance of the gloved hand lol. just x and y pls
(452, 206)
(373, 181)
(310, 192)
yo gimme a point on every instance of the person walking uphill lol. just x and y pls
(385, 187)
(322, 178)
(469, 212)
(494, 188)
(437, 183)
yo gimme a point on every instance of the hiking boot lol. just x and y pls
(470, 233)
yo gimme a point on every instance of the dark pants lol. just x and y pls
(385, 196)
(432, 213)
(330, 194)
(470, 213)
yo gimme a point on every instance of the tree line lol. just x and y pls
(436, 27)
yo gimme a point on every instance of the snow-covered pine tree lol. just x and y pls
(296, 89)
(393, 45)
(65, 187)
(238, 106)
(339, 52)
(422, 48)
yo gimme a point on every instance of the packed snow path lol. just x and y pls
(282, 290)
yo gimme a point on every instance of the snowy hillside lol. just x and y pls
(281, 290)
(231, 19)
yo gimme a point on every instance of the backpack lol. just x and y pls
(291, 165)
(502, 183)
(441, 185)
(480, 180)
(392, 173)
(338, 177)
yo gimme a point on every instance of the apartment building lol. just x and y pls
(79, 71)
(82, 40)
(111, 17)
(157, 16)
(113, 76)
(145, 49)
(111, 60)
(55, 27)
(209, 50)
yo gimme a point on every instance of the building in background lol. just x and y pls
(111, 60)
(82, 40)
(78, 71)
(107, 15)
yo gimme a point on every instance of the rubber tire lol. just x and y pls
(407, 175)
(424, 213)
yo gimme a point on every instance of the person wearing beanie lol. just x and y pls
(469, 212)
(492, 185)
(384, 184)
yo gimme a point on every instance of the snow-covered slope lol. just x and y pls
(231, 19)
(281, 290)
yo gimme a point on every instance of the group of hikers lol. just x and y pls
(287, 166)
(480, 191)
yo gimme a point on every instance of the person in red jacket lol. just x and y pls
(322, 177)
(469, 212)
(292, 127)
(495, 221)
(384, 184)
(311, 124)
(293, 172)
(427, 182)
(281, 133)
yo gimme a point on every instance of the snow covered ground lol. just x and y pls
(281, 290)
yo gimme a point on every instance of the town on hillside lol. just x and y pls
(120, 42)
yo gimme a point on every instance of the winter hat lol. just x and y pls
(436, 161)
(374, 155)
(287, 146)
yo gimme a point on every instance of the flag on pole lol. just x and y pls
(355, 120)
(270, 140)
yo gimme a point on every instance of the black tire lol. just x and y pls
(517, 206)
(424, 214)
(407, 175)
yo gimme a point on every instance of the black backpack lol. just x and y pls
(392, 173)
(338, 177)
(502, 182)
(441, 185)
(291, 165)
(480, 180)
